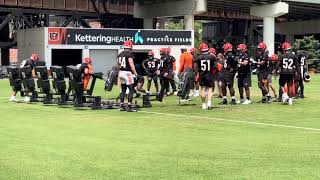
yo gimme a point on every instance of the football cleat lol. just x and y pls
(233, 102)
(246, 102)
(122, 108)
(241, 101)
(285, 98)
(269, 99)
(13, 99)
(204, 106)
(263, 100)
(224, 101)
(175, 93)
(209, 105)
(26, 99)
(130, 109)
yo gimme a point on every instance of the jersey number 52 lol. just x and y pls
(287, 63)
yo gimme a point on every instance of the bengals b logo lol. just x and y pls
(54, 36)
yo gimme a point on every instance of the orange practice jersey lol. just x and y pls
(186, 61)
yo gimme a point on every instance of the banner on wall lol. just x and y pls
(76, 36)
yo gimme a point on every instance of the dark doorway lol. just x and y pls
(139, 57)
(66, 57)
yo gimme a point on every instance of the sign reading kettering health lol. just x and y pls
(117, 37)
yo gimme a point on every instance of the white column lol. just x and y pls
(268, 13)
(148, 23)
(188, 22)
(268, 33)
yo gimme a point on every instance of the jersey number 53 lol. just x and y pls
(151, 64)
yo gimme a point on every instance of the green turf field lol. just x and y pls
(258, 141)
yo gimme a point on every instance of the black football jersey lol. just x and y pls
(166, 63)
(264, 57)
(288, 63)
(272, 67)
(244, 69)
(230, 62)
(302, 58)
(172, 60)
(151, 65)
(123, 60)
(206, 64)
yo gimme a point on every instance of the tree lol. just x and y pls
(180, 26)
(197, 33)
(310, 45)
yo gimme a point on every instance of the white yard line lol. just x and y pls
(234, 121)
(226, 120)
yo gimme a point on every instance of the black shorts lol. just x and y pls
(244, 80)
(152, 77)
(263, 75)
(139, 79)
(16, 84)
(286, 79)
(219, 76)
(228, 78)
(207, 80)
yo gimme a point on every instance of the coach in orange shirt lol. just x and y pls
(186, 61)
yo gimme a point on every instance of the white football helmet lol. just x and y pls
(306, 77)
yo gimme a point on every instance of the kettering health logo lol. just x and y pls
(138, 38)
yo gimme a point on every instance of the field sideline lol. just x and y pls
(258, 141)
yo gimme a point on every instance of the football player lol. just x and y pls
(262, 61)
(288, 66)
(244, 73)
(151, 65)
(213, 52)
(194, 52)
(165, 72)
(219, 74)
(186, 62)
(300, 77)
(87, 71)
(205, 64)
(228, 73)
(173, 67)
(32, 62)
(127, 74)
(272, 67)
